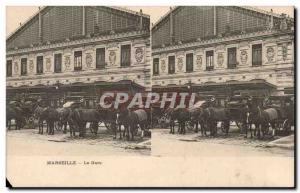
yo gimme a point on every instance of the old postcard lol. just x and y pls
(181, 96)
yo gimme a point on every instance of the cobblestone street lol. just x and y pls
(29, 142)
(193, 144)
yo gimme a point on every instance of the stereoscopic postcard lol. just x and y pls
(180, 96)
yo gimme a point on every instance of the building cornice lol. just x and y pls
(119, 70)
(80, 42)
(223, 72)
(221, 40)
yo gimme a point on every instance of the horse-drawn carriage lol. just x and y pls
(284, 106)
(95, 114)
(186, 117)
(236, 107)
(245, 111)
(20, 109)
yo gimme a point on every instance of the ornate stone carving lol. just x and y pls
(284, 52)
(270, 54)
(48, 64)
(244, 56)
(112, 57)
(16, 67)
(67, 62)
(139, 54)
(180, 63)
(88, 60)
(199, 61)
(220, 59)
(163, 65)
(31, 66)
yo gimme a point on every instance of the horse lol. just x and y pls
(212, 115)
(171, 114)
(181, 115)
(80, 116)
(197, 119)
(108, 116)
(130, 120)
(157, 117)
(63, 115)
(196, 116)
(52, 117)
(41, 114)
(262, 119)
(28, 108)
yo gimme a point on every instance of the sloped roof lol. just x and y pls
(249, 8)
(122, 9)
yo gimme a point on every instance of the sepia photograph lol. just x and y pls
(150, 96)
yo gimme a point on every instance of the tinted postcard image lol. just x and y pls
(184, 96)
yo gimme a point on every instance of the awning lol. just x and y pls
(125, 83)
(213, 86)
(171, 88)
(238, 85)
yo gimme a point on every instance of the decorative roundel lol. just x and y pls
(112, 57)
(220, 59)
(270, 54)
(16, 67)
(139, 54)
(180, 64)
(244, 56)
(199, 61)
(163, 65)
(31, 65)
(89, 60)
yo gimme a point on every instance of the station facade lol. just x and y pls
(79, 51)
(223, 50)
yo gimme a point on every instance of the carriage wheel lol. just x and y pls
(164, 122)
(29, 122)
(239, 124)
(189, 125)
(108, 125)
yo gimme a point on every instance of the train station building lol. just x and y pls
(79, 51)
(223, 50)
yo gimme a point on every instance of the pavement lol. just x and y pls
(193, 144)
(162, 143)
(29, 142)
(284, 142)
